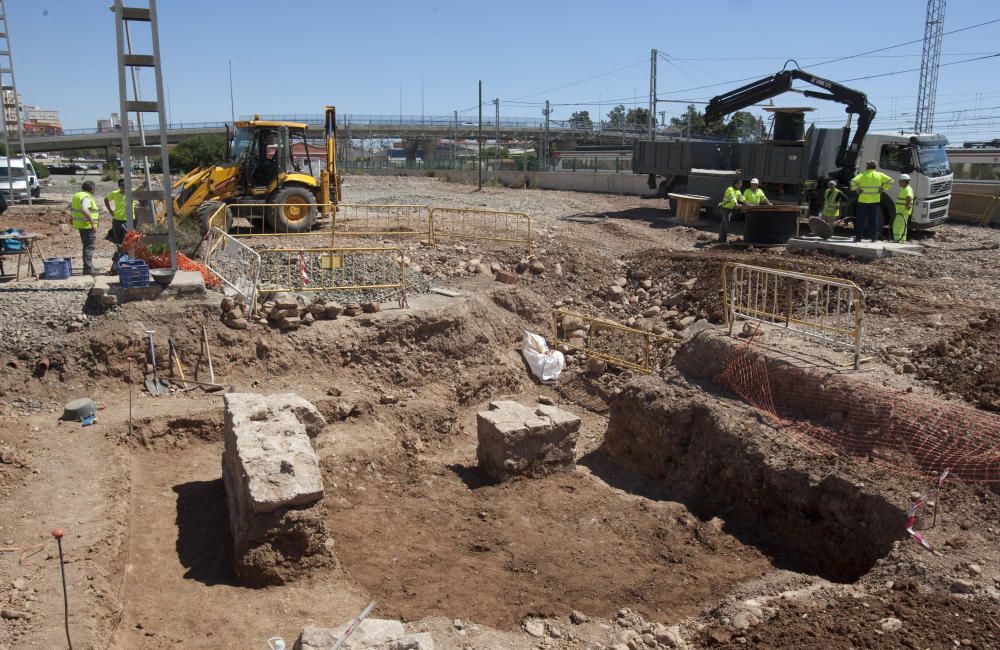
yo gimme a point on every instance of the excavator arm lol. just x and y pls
(855, 101)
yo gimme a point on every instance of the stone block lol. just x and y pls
(516, 440)
(371, 633)
(273, 486)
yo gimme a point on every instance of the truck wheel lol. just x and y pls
(207, 210)
(296, 211)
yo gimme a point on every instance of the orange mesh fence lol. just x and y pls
(136, 249)
(900, 432)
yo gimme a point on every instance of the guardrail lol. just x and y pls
(233, 262)
(828, 309)
(481, 225)
(617, 344)
(329, 269)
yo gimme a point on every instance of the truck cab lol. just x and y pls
(924, 158)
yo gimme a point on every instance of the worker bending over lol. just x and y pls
(868, 215)
(904, 208)
(755, 195)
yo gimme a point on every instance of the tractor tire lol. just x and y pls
(296, 212)
(207, 210)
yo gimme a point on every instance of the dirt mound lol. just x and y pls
(178, 432)
(967, 362)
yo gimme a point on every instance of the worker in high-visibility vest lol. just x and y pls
(731, 201)
(754, 195)
(85, 214)
(831, 202)
(904, 208)
(867, 214)
(115, 203)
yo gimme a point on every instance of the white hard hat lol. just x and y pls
(832, 183)
(754, 180)
(904, 177)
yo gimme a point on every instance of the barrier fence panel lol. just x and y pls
(824, 308)
(332, 269)
(235, 263)
(611, 342)
(273, 219)
(483, 225)
(360, 220)
(977, 208)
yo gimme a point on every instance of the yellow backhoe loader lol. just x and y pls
(261, 170)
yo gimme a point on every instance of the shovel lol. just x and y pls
(155, 386)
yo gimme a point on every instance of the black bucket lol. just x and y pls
(789, 126)
(768, 225)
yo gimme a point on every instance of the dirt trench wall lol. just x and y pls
(727, 463)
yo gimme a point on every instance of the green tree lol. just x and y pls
(616, 117)
(581, 120)
(692, 123)
(197, 151)
(745, 126)
(491, 152)
(637, 117)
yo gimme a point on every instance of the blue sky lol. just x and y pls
(295, 57)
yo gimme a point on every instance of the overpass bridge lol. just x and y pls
(413, 130)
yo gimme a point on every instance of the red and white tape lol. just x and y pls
(911, 514)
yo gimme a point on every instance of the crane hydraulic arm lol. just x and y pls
(855, 101)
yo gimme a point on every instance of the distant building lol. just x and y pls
(114, 124)
(40, 120)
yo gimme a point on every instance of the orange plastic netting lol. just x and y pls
(136, 249)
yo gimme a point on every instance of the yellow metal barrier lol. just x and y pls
(621, 346)
(361, 220)
(262, 219)
(829, 309)
(331, 269)
(481, 225)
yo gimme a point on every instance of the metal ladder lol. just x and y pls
(136, 104)
(11, 106)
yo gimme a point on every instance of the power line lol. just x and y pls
(581, 81)
(889, 74)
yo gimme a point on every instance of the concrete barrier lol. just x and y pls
(633, 184)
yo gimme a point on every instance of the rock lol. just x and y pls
(596, 367)
(227, 304)
(421, 641)
(719, 636)
(960, 586)
(671, 637)
(694, 328)
(236, 323)
(578, 617)
(271, 474)
(545, 399)
(12, 614)
(317, 309)
(615, 293)
(308, 319)
(557, 268)
(370, 307)
(371, 633)
(687, 320)
(19, 584)
(332, 310)
(621, 281)
(536, 267)
(505, 277)
(534, 627)
(388, 399)
(890, 624)
(975, 570)
(108, 300)
(571, 322)
(514, 439)
(744, 620)
(289, 323)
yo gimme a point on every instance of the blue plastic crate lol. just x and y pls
(133, 274)
(58, 268)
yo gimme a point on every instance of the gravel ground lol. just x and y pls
(37, 317)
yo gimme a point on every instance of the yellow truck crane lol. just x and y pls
(260, 170)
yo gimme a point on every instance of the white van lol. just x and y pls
(15, 181)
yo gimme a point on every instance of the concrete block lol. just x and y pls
(515, 439)
(372, 633)
(850, 248)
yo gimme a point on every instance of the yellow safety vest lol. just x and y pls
(79, 216)
(731, 197)
(831, 206)
(754, 197)
(870, 184)
(118, 198)
(904, 193)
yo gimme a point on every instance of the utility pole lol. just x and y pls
(497, 147)
(480, 134)
(421, 100)
(232, 104)
(652, 93)
(454, 141)
(545, 146)
(930, 60)
(401, 103)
